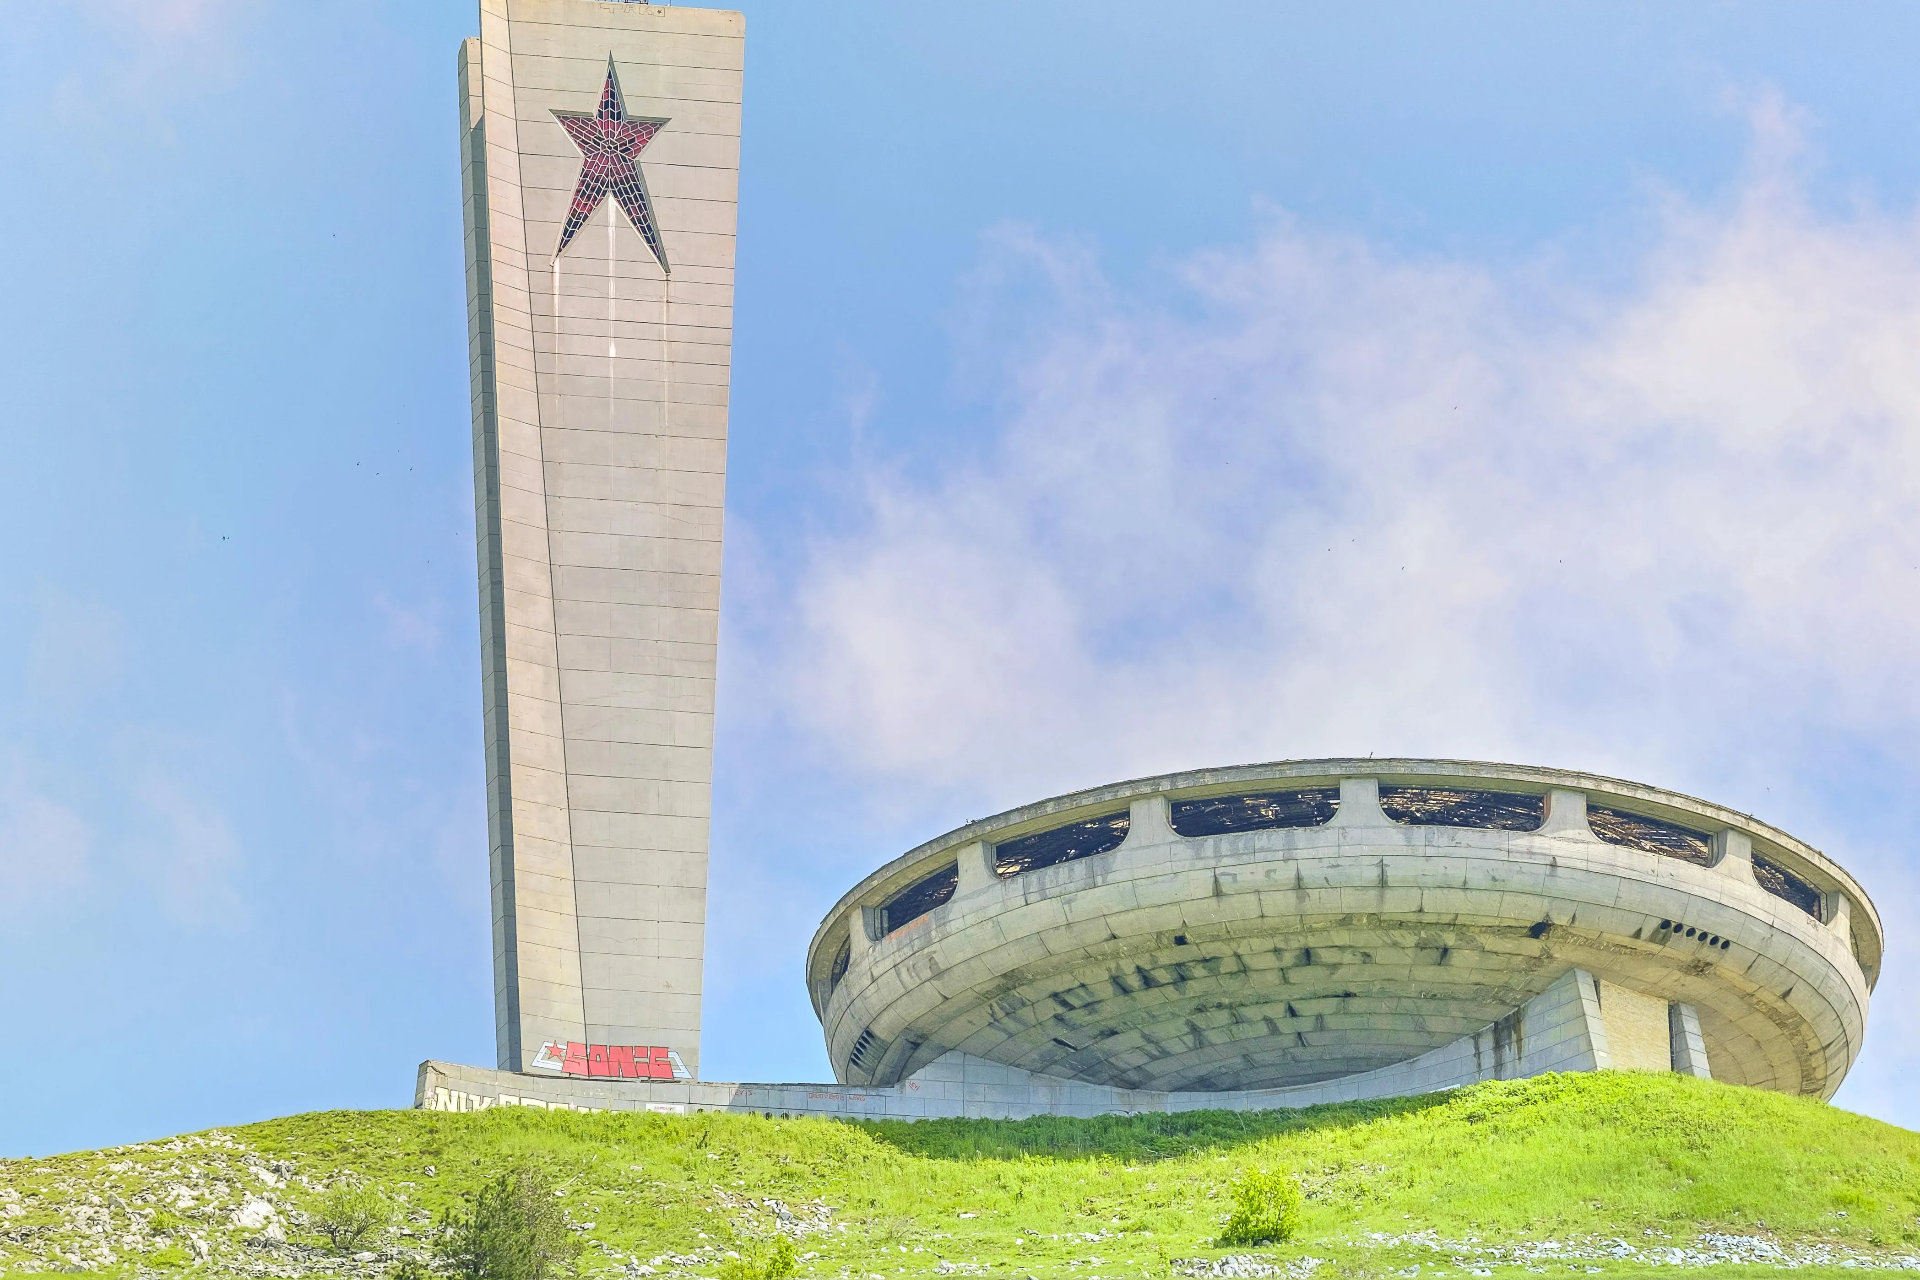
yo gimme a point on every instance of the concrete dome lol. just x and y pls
(1282, 924)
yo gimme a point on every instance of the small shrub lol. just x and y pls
(346, 1213)
(775, 1263)
(1266, 1210)
(409, 1269)
(514, 1229)
(169, 1256)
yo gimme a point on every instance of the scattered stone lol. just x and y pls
(1709, 1250)
(254, 1214)
(1246, 1266)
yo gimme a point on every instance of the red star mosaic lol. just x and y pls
(611, 142)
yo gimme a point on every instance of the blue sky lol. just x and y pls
(1118, 388)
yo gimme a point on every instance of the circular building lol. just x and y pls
(1402, 924)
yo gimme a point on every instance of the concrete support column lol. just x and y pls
(1732, 854)
(1560, 1030)
(1360, 804)
(1596, 1028)
(871, 928)
(976, 868)
(1689, 1049)
(1838, 913)
(1150, 820)
(1566, 814)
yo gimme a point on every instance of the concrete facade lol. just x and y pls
(600, 379)
(1639, 1035)
(1559, 1030)
(1352, 945)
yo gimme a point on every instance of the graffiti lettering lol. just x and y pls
(611, 1061)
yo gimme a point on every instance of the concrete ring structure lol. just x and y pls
(1281, 925)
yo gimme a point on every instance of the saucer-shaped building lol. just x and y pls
(1394, 924)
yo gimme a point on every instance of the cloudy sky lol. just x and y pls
(1118, 389)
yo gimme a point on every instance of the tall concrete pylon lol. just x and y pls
(600, 147)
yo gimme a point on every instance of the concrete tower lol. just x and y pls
(600, 161)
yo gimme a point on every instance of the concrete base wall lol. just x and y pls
(1561, 1029)
(1638, 1037)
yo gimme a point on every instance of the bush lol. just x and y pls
(514, 1229)
(776, 1263)
(409, 1269)
(170, 1256)
(1266, 1210)
(346, 1212)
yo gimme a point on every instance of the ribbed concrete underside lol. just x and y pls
(1266, 1011)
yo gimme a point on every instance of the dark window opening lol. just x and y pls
(841, 959)
(1649, 835)
(1782, 883)
(1446, 807)
(917, 899)
(1062, 844)
(1222, 815)
(865, 1050)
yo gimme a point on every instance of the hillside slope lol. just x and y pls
(1609, 1171)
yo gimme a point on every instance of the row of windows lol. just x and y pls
(1418, 806)
(1267, 810)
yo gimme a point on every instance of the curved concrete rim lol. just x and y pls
(1796, 855)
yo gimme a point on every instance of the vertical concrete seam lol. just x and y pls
(546, 512)
(486, 517)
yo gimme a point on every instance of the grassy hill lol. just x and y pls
(1610, 1172)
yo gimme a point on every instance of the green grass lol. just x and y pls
(1491, 1177)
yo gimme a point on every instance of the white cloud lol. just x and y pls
(1333, 501)
(149, 52)
(45, 849)
(166, 19)
(415, 627)
(78, 651)
(189, 855)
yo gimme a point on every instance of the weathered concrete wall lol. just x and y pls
(1255, 959)
(1558, 1030)
(1637, 1033)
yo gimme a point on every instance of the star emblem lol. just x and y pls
(610, 143)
